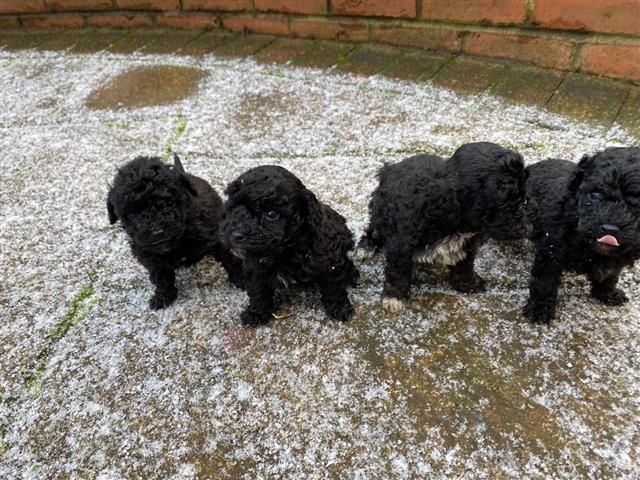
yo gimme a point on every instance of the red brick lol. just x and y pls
(309, 7)
(475, 11)
(543, 51)
(120, 20)
(77, 5)
(22, 6)
(611, 60)
(376, 8)
(7, 23)
(344, 30)
(54, 21)
(217, 5)
(427, 37)
(616, 16)
(148, 4)
(187, 22)
(276, 24)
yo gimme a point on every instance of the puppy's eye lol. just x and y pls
(596, 196)
(272, 215)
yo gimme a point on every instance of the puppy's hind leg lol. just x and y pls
(603, 288)
(166, 292)
(462, 275)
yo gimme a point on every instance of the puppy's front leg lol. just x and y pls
(543, 290)
(166, 292)
(259, 283)
(333, 291)
(603, 287)
(398, 271)
(462, 275)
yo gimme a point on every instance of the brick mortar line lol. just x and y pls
(371, 20)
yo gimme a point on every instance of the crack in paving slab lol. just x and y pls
(461, 386)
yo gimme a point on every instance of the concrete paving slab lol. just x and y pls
(283, 50)
(22, 41)
(468, 76)
(134, 41)
(415, 66)
(205, 44)
(589, 98)
(60, 41)
(324, 55)
(369, 60)
(629, 116)
(169, 42)
(243, 46)
(528, 85)
(94, 385)
(97, 41)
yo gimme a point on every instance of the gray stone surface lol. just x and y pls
(94, 385)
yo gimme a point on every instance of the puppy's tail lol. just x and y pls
(177, 164)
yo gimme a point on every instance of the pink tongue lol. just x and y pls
(609, 240)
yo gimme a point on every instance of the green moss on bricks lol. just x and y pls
(80, 308)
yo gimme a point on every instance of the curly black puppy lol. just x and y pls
(586, 218)
(427, 209)
(284, 237)
(172, 220)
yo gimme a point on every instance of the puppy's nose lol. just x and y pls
(237, 235)
(607, 228)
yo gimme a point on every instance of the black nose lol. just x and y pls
(237, 236)
(606, 228)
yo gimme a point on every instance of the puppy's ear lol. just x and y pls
(186, 183)
(232, 188)
(512, 163)
(578, 173)
(313, 208)
(113, 218)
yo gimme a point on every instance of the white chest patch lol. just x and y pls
(448, 251)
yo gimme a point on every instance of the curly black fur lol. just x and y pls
(434, 210)
(172, 220)
(579, 212)
(286, 237)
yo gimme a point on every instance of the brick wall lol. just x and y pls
(594, 36)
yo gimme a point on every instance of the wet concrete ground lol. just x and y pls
(94, 385)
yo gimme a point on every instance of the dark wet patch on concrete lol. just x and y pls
(146, 86)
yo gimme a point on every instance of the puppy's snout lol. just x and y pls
(610, 229)
(237, 236)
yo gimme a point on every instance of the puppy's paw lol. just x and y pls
(251, 318)
(474, 284)
(340, 311)
(613, 298)
(538, 313)
(162, 300)
(393, 305)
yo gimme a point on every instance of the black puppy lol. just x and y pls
(172, 220)
(426, 209)
(284, 237)
(586, 218)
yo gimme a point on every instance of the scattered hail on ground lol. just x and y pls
(94, 385)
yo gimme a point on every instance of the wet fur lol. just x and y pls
(426, 208)
(285, 237)
(567, 222)
(171, 219)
